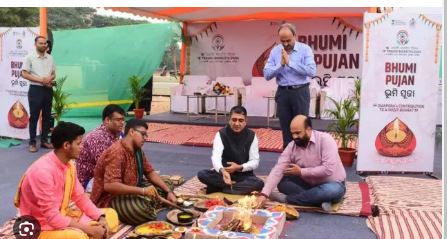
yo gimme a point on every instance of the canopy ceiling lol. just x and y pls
(211, 14)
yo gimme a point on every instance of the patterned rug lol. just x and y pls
(355, 203)
(407, 224)
(392, 192)
(409, 207)
(203, 136)
(6, 231)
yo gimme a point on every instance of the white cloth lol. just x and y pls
(218, 147)
(39, 66)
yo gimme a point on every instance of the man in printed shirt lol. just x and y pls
(235, 156)
(309, 171)
(124, 179)
(292, 64)
(44, 192)
(97, 141)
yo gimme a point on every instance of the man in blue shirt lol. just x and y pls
(292, 64)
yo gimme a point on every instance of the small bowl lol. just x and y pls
(181, 229)
(184, 217)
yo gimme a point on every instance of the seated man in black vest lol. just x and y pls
(235, 156)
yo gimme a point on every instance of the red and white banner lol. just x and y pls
(15, 44)
(241, 48)
(399, 92)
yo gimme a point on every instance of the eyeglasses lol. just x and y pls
(143, 133)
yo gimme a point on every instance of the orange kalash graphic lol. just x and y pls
(17, 116)
(395, 140)
(258, 67)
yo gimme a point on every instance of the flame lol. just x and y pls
(245, 211)
(396, 127)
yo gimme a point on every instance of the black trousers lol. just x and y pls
(245, 183)
(290, 103)
(40, 98)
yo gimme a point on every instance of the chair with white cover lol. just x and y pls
(256, 93)
(337, 89)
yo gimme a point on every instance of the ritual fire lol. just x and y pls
(241, 220)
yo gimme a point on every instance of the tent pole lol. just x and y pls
(43, 21)
(183, 52)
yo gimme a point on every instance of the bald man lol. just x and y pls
(309, 172)
(292, 64)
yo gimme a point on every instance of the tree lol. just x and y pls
(60, 18)
(171, 58)
(70, 17)
(19, 17)
(102, 21)
(83, 17)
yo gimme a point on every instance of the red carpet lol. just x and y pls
(202, 136)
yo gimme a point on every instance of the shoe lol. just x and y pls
(46, 145)
(32, 148)
(327, 206)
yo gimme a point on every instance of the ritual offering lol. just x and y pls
(291, 213)
(205, 204)
(184, 217)
(17, 116)
(241, 221)
(180, 218)
(181, 229)
(395, 140)
(154, 228)
(187, 203)
(177, 180)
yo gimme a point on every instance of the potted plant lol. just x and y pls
(356, 94)
(137, 92)
(345, 119)
(60, 98)
(356, 99)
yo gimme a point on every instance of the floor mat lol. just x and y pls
(355, 203)
(403, 224)
(408, 207)
(8, 143)
(392, 192)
